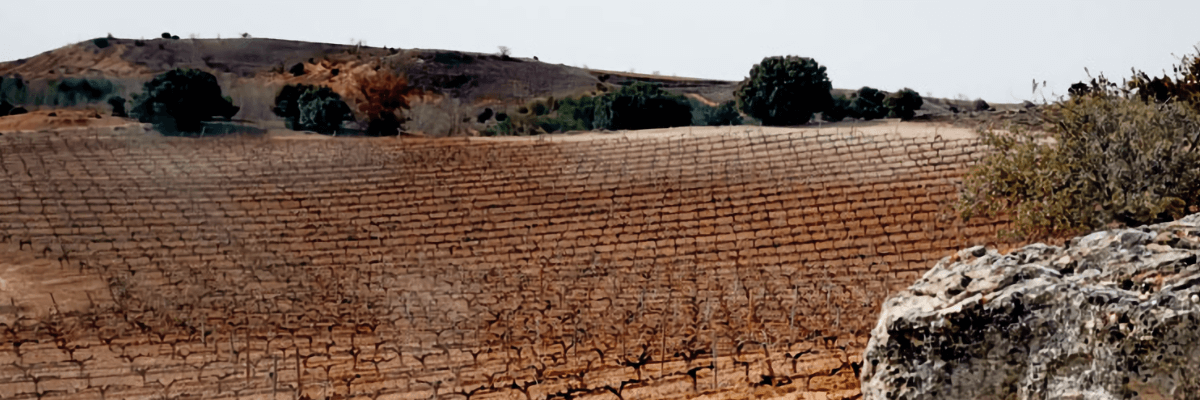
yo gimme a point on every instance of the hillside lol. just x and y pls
(252, 70)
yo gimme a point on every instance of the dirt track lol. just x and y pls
(474, 268)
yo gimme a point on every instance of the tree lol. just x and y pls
(838, 110)
(308, 107)
(868, 104)
(384, 97)
(181, 100)
(723, 114)
(785, 91)
(642, 106)
(903, 104)
(322, 110)
(118, 106)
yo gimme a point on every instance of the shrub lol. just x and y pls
(581, 111)
(384, 97)
(568, 114)
(484, 116)
(1184, 87)
(287, 103)
(868, 104)
(118, 106)
(785, 91)
(17, 111)
(297, 69)
(638, 106)
(100, 42)
(5, 107)
(1108, 159)
(181, 99)
(447, 117)
(980, 105)
(73, 91)
(322, 110)
(307, 107)
(723, 114)
(903, 104)
(642, 106)
(166, 35)
(1078, 89)
(838, 110)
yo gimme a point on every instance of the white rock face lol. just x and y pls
(1114, 315)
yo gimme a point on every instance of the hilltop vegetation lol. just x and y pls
(434, 92)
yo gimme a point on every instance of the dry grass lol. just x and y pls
(444, 117)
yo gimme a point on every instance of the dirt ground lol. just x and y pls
(62, 118)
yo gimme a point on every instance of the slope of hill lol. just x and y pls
(252, 70)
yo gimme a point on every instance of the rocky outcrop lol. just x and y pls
(1111, 315)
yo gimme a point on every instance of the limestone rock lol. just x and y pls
(1111, 315)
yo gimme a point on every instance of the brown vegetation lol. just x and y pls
(384, 97)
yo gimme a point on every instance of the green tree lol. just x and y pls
(785, 91)
(642, 106)
(903, 104)
(868, 104)
(838, 111)
(307, 107)
(181, 99)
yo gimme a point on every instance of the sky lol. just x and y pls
(992, 50)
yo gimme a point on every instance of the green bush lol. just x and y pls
(1109, 158)
(307, 107)
(638, 106)
(100, 42)
(287, 103)
(868, 104)
(903, 104)
(723, 114)
(522, 125)
(785, 91)
(180, 100)
(323, 111)
(838, 110)
(578, 114)
(642, 106)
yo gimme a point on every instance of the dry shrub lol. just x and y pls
(1185, 87)
(1109, 158)
(384, 97)
(448, 117)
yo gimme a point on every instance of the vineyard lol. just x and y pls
(682, 263)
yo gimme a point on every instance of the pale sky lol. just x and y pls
(978, 49)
